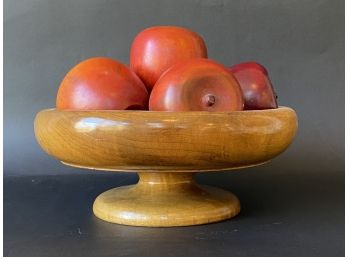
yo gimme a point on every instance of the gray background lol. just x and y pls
(300, 42)
(293, 206)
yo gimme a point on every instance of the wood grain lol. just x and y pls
(166, 148)
(165, 200)
(182, 141)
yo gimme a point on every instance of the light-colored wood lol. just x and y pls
(166, 148)
(181, 141)
(165, 200)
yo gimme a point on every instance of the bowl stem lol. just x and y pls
(165, 199)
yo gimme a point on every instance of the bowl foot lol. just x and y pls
(165, 200)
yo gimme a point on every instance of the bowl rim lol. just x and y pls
(280, 108)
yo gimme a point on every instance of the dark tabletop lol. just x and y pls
(284, 214)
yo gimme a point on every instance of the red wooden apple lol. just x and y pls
(101, 84)
(196, 85)
(256, 85)
(156, 49)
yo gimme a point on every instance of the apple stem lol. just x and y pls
(210, 100)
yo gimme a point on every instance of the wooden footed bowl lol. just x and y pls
(166, 149)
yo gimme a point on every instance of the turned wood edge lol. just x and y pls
(166, 200)
(164, 170)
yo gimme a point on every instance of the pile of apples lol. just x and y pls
(169, 71)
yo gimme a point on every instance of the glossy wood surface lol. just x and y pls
(162, 141)
(168, 147)
(165, 200)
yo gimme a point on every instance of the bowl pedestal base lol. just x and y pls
(165, 199)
